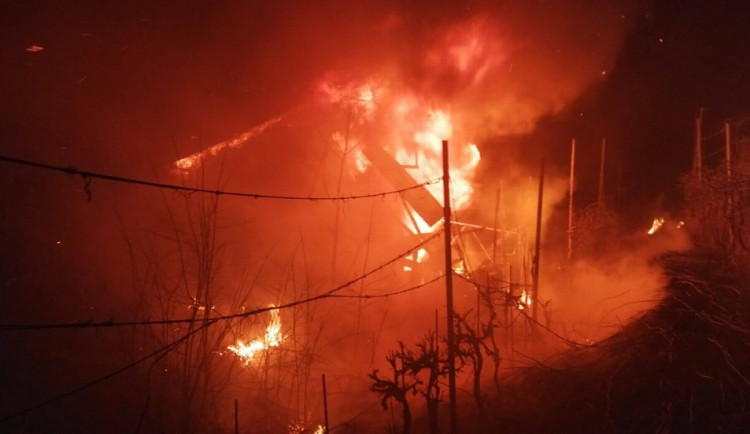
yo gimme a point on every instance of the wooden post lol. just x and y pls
(730, 188)
(537, 245)
(698, 153)
(570, 199)
(496, 226)
(728, 149)
(236, 418)
(600, 199)
(449, 289)
(325, 405)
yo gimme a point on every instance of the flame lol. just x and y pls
(320, 430)
(524, 301)
(420, 257)
(361, 162)
(656, 225)
(272, 338)
(412, 131)
(194, 160)
(421, 226)
(428, 136)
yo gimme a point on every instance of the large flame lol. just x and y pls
(412, 131)
(272, 338)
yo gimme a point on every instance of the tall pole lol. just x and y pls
(698, 157)
(535, 274)
(236, 418)
(449, 288)
(497, 212)
(728, 149)
(600, 199)
(730, 190)
(325, 405)
(570, 198)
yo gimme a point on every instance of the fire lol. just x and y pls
(412, 131)
(656, 225)
(436, 126)
(272, 338)
(460, 268)
(524, 301)
(194, 160)
(300, 427)
(420, 257)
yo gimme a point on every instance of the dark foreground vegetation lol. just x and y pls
(683, 367)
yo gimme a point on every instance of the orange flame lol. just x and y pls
(272, 338)
(412, 132)
(524, 301)
(656, 225)
(194, 160)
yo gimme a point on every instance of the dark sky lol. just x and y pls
(681, 55)
(123, 86)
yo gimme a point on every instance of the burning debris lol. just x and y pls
(656, 225)
(272, 338)
(193, 161)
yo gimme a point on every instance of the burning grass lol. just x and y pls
(682, 367)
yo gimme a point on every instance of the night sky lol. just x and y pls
(120, 84)
(126, 88)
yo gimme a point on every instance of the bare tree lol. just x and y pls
(427, 357)
(397, 388)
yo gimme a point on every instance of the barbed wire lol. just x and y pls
(389, 294)
(207, 322)
(328, 294)
(529, 317)
(87, 176)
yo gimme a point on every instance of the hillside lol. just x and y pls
(682, 367)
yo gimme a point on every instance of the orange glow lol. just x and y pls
(656, 225)
(272, 338)
(524, 301)
(421, 226)
(428, 135)
(361, 161)
(419, 257)
(413, 134)
(193, 161)
(467, 51)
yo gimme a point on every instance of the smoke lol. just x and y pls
(597, 297)
(503, 67)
